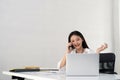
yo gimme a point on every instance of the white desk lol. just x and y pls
(48, 75)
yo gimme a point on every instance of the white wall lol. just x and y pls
(116, 33)
(34, 32)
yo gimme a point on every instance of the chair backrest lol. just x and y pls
(107, 63)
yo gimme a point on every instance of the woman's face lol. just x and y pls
(76, 41)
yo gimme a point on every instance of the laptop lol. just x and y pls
(82, 64)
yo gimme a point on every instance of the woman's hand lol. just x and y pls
(101, 48)
(69, 47)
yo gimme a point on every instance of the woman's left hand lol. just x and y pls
(101, 48)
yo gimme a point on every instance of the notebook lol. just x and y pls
(82, 64)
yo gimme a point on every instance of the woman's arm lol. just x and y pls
(63, 60)
(101, 48)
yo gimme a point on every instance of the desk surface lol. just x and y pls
(56, 75)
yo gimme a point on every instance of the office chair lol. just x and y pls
(107, 63)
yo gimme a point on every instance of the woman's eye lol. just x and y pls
(72, 41)
(78, 39)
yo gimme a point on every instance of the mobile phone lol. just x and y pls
(71, 47)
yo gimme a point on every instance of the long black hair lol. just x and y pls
(84, 44)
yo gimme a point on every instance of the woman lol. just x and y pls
(77, 45)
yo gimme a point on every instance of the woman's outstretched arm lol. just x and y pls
(101, 48)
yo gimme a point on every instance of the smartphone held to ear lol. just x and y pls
(71, 47)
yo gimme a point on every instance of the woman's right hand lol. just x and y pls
(63, 60)
(69, 48)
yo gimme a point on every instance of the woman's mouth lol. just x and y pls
(77, 45)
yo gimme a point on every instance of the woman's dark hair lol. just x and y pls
(77, 33)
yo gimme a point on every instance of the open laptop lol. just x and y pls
(82, 65)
